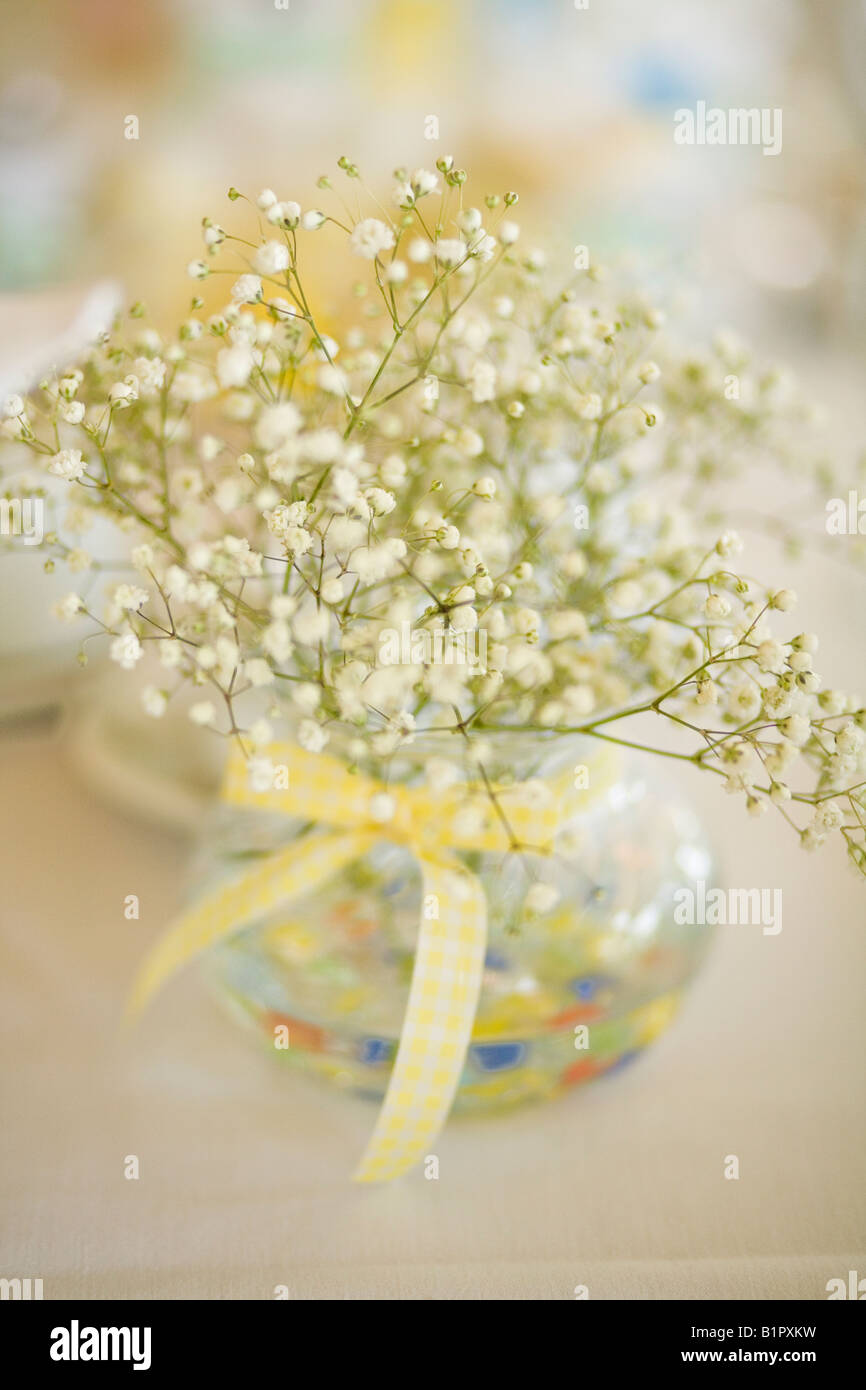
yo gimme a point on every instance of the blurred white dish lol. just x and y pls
(40, 331)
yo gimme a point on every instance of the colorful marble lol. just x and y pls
(565, 998)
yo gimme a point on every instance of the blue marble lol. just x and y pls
(498, 1056)
(586, 987)
(625, 1060)
(373, 1052)
(495, 960)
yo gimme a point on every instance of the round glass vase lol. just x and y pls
(568, 994)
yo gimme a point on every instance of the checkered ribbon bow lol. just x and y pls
(354, 812)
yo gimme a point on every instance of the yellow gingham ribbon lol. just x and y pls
(449, 959)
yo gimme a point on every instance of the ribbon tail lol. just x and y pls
(443, 997)
(288, 874)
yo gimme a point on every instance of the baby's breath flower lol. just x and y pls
(770, 656)
(311, 626)
(423, 182)
(450, 251)
(154, 702)
(286, 214)
(271, 258)
(851, 739)
(312, 736)
(827, 816)
(277, 641)
(247, 289)
(203, 713)
(371, 237)
(126, 650)
(589, 407)
(79, 560)
(729, 544)
(796, 729)
(482, 381)
(130, 597)
(482, 246)
(469, 442)
(541, 898)
(260, 733)
(783, 599)
(380, 501)
(258, 672)
(403, 194)
(69, 607)
(290, 501)
(234, 365)
(67, 464)
(484, 487)
(717, 606)
(448, 537)
(811, 838)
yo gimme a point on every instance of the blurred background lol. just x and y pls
(571, 106)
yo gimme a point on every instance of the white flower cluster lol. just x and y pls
(475, 451)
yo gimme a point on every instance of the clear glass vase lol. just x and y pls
(568, 994)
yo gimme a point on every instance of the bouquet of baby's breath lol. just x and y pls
(451, 519)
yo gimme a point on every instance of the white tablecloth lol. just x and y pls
(244, 1166)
